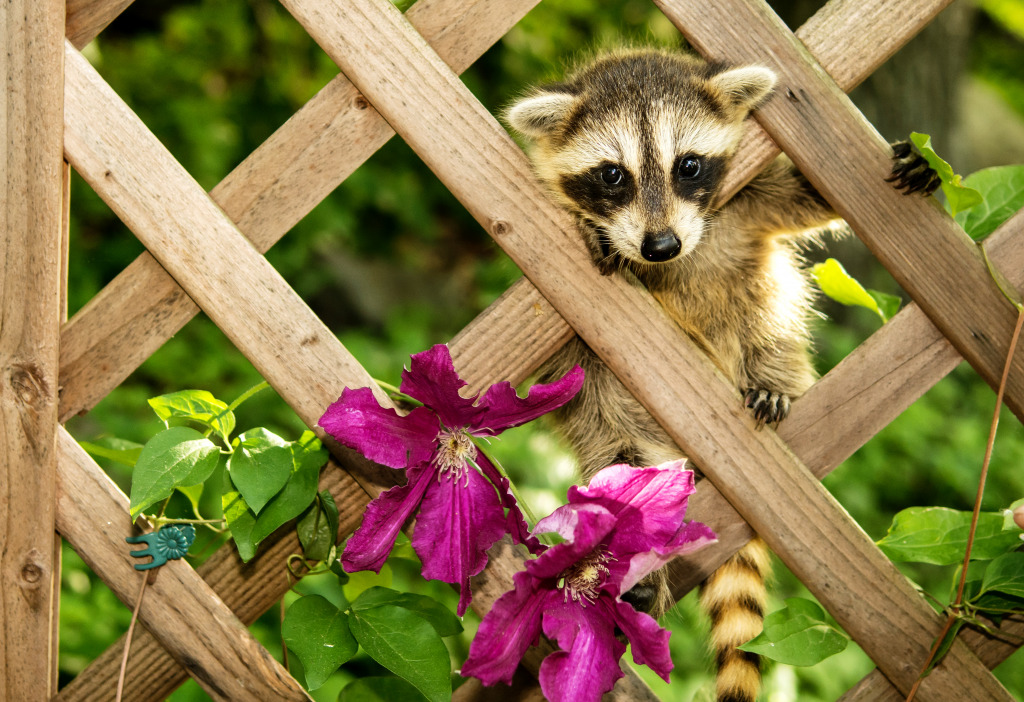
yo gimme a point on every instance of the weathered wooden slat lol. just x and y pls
(31, 190)
(847, 160)
(87, 18)
(193, 624)
(266, 195)
(441, 120)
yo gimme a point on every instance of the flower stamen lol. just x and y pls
(582, 580)
(455, 449)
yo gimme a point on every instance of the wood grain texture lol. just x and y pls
(266, 195)
(466, 148)
(31, 252)
(847, 160)
(87, 18)
(193, 624)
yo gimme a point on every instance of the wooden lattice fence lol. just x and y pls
(404, 70)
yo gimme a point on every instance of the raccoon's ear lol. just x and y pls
(539, 113)
(746, 86)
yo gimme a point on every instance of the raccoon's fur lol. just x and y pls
(635, 144)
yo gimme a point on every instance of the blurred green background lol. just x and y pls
(392, 263)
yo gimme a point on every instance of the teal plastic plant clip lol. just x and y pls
(166, 543)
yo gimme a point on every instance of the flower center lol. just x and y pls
(454, 449)
(582, 580)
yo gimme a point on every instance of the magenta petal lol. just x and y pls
(583, 526)
(690, 537)
(515, 522)
(460, 518)
(369, 546)
(648, 640)
(588, 664)
(504, 408)
(650, 503)
(511, 627)
(379, 433)
(432, 380)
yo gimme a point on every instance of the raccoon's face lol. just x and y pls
(636, 145)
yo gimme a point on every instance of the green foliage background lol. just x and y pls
(392, 263)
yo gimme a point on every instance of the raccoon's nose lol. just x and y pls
(658, 247)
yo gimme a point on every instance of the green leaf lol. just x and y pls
(797, 635)
(318, 633)
(179, 456)
(888, 305)
(380, 689)
(259, 466)
(406, 645)
(241, 521)
(1006, 575)
(1002, 190)
(298, 492)
(435, 613)
(938, 535)
(958, 197)
(193, 493)
(118, 450)
(835, 282)
(318, 528)
(198, 406)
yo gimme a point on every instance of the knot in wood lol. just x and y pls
(32, 569)
(29, 385)
(500, 227)
(360, 103)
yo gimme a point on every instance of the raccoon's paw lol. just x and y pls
(911, 172)
(767, 406)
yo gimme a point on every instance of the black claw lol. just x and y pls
(911, 172)
(766, 406)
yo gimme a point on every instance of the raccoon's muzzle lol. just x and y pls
(658, 247)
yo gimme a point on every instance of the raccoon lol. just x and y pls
(634, 145)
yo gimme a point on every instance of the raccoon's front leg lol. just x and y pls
(774, 378)
(604, 424)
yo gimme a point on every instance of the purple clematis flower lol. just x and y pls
(462, 510)
(625, 524)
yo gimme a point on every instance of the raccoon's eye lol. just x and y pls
(689, 167)
(611, 175)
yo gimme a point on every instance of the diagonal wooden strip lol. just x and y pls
(266, 195)
(442, 121)
(87, 18)
(31, 193)
(847, 160)
(196, 627)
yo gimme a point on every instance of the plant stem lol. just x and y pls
(247, 394)
(128, 637)
(957, 605)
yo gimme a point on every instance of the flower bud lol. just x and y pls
(1018, 516)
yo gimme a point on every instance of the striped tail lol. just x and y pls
(734, 598)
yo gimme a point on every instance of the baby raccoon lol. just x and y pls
(635, 145)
